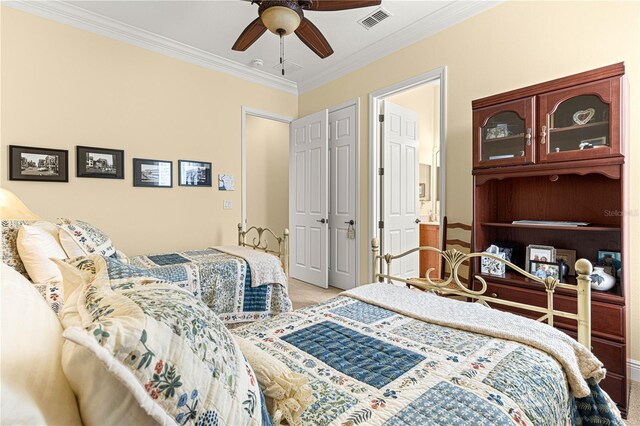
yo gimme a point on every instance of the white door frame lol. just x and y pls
(374, 144)
(359, 235)
(243, 154)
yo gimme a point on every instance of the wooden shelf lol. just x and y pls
(578, 127)
(514, 278)
(592, 228)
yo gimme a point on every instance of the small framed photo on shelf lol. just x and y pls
(152, 173)
(99, 162)
(194, 173)
(537, 253)
(569, 257)
(38, 164)
(612, 259)
(544, 269)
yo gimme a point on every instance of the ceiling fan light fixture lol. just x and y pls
(279, 19)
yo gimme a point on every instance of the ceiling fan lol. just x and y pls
(283, 17)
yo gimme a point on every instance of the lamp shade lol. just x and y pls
(11, 208)
(280, 18)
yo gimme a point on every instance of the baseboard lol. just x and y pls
(635, 369)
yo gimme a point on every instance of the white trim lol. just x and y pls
(355, 102)
(243, 153)
(374, 97)
(78, 17)
(429, 25)
(634, 366)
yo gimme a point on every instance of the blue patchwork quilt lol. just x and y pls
(368, 365)
(221, 280)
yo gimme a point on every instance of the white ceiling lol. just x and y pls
(213, 26)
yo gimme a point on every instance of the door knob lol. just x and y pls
(351, 222)
(323, 220)
(417, 221)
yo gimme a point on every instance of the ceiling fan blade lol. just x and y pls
(250, 34)
(313, 38)
(328, 5)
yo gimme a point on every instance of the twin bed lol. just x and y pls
(380, 354)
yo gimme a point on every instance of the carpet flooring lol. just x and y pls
(303, 294)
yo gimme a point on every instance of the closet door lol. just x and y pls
(309, 198)
(342, 198)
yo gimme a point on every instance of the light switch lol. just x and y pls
(228, 204)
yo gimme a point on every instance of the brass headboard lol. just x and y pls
(261, 242)
(453, 286)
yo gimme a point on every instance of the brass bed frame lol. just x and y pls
(261, 242)
(453, 286)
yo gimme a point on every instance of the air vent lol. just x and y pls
(374, 18)
(289, 67)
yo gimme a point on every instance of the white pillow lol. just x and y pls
(36, 244)
(34, 388)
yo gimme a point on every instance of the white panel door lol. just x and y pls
(308, 199)
(342, 197)
(401, 208)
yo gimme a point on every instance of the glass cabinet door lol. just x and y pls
(503, 134)
(581, 122)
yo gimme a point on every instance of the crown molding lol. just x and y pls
(444, 17)
(81, 18)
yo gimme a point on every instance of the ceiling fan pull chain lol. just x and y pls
(282, 51)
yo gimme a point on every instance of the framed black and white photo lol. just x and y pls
(152, 173)
(99, 162)
(38, 164)
(194, 173)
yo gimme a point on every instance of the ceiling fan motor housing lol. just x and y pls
(280, 16)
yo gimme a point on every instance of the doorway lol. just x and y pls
(407, 174)
(265, 180)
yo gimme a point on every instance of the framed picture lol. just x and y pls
(152, 173)
(194, 173)
(612, 259)
(38, 164)
(544, 269)
(99, 162)
(569, 257)
(539, 254)
(226, 183)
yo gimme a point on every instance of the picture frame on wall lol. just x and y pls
(152, 173)
(102, 163)
(38, 164)
(194, 173)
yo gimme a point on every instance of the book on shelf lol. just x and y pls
(549, 223)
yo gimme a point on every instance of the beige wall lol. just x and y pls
(425, 100)
(512, 45)
(267, 144)
(63, 87)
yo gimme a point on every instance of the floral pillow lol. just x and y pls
(10, 254)
(79, 238)
(157, 352)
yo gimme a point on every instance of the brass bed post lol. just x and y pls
(375, 247)
(240, 235)
(285, 262)
(584, 270)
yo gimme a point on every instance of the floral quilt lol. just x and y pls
(221, 280)
(369, 365)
